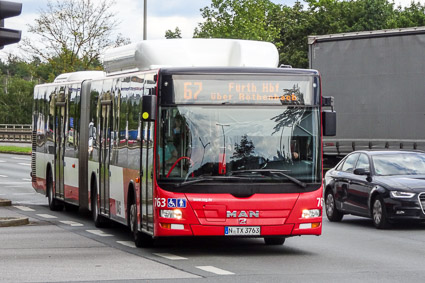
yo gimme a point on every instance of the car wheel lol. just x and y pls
(333, 214)
(141, 240)
(274, 241)
(379, 213)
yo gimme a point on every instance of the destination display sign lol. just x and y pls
(240, 91)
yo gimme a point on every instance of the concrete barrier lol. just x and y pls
(11, 220)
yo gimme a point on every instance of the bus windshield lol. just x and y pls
(238, 143)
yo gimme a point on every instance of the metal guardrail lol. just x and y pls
(15, 133)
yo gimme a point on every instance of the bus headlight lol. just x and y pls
(310, 213)
(173, 214)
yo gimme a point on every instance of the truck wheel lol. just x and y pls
(54, 204)
(333, 214)
(379, 213)
(274, 241)
(141, 240)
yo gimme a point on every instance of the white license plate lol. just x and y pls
(242, 231)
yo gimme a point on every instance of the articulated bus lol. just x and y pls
(200, 137)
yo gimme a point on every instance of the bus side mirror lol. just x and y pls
(329, 123)
(149, 108)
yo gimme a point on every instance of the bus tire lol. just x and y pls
(272, 241)
(98, 219)
(141, 240)
(54, 204)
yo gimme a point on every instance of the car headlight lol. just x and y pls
(310, 213)
(399, 194)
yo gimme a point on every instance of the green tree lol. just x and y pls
(16, 103)
(73, 33)
(288, 27)
(169, 34)
(243, 19)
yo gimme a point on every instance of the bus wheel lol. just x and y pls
(274, 241)
(141, 240)
(54, 204)
(98, 220)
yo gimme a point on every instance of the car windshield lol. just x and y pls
(199, 143)
(399, 164)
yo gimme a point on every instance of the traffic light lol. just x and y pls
(9, 9)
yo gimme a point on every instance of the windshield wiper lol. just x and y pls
(210, 178)
(271, 172)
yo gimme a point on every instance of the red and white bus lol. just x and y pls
(202, 137)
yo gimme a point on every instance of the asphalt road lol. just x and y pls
(65, 247)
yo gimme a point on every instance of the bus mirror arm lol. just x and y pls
(328, 101)
(149, 106)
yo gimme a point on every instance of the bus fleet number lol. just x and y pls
(160, 202)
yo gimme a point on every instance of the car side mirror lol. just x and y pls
(363, 172)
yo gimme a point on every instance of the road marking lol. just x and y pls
(170, 256)
(23, 208)
(72, 223)
(127, 243)
(25, 164)
(99, 233)
(215, 270)
(2, 161)
(48, 216)
(23, 194)
(26, 179)
(3, 176)
(21, 158)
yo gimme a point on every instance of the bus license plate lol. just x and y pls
(242, 231)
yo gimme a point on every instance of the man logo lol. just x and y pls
(243, 214)
(242, 220)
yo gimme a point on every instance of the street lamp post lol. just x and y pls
(145, 5)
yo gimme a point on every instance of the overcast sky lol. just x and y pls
(162, 15)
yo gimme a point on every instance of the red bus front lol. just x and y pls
(238, 154)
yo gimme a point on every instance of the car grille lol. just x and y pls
(422, 201)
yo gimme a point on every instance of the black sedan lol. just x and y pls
(387, 186)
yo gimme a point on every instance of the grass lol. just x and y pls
(15, 149)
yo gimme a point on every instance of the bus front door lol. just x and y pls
(105, 149)
(146, 172)
(60, 128)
